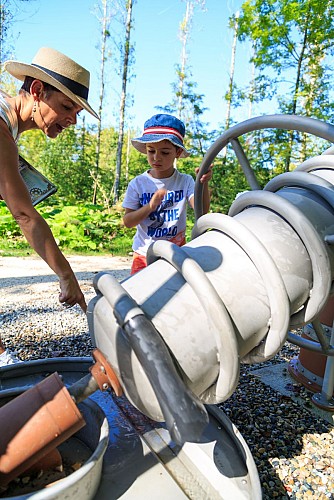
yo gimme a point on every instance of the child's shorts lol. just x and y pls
(138, 263)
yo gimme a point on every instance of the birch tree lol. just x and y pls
(229, 94)
(127, 51)
(184, 36)
(6, 20)
(185, 26)
(105, 35)
(187, 103)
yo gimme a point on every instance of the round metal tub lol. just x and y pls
(92, 439)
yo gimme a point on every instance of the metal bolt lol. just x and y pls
(102, 368)
(105, 386)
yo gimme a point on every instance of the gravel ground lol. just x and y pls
(292, 447)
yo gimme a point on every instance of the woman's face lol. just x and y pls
(55, 112)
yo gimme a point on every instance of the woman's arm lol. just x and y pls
(32, 224)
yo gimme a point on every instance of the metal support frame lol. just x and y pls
(325, 399)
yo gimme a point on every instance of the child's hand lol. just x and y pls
(205, 177)
(157, 199)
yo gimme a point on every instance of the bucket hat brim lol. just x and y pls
(140, 142)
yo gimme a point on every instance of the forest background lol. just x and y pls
(290, 45)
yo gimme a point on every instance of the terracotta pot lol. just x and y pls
(309, 367)
(35, 423)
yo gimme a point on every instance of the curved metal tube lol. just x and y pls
(243, 160)
(285, 122)
(315, 163)
(215, 311)
(309, 236)
(319, 186)
(310, 344)
(277, 294)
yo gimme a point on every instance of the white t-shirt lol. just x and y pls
(168, 222)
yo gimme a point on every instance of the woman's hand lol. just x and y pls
(70, 293)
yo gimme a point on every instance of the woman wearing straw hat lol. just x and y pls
(54, 91)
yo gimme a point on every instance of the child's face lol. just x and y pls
(161, 156)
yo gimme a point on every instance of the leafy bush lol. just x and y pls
(77, 228)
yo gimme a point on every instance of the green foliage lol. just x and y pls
(292, 42)
(293, 39)
(227, 181)
(88, 228)
(11, 237)
(66, 163)
(10, 234)
(76, 228)
(70, 161)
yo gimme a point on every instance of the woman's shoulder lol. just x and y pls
(8, 115)
(6, 134)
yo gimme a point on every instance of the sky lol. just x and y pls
(72, 27)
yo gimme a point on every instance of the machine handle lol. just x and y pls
(185, 415)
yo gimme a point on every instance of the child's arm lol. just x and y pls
(206, 193)
(134, 217)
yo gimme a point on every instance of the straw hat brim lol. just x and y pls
(21, 70)
(140, 143)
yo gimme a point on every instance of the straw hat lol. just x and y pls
(159, 128)
(54, 68)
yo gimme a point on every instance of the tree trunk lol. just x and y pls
(127, 157)
(105, 34)
(2, 31)
(295, 98)
(184, 33)
(252, 89)
(230, 86)
(127, 48)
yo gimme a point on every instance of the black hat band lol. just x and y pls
(75, 87)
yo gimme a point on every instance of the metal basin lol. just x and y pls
(141, 461)
(88, 445)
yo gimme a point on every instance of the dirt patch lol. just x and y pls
(33, 266)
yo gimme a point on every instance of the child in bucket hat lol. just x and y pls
(156, 201)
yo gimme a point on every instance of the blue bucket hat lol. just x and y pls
(159, 128)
